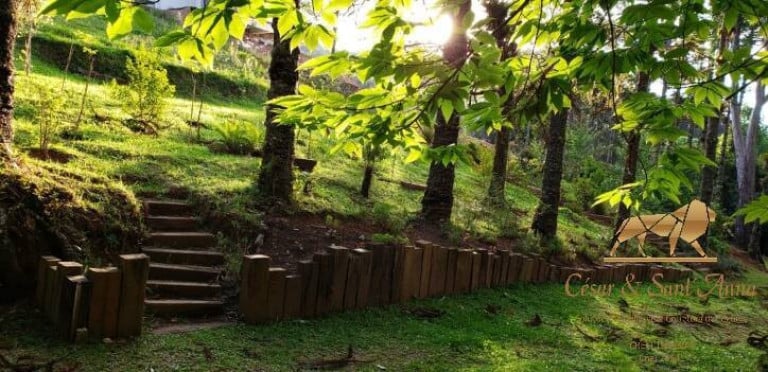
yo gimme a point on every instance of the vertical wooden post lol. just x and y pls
(506, 264)
(254, 288)
(72, 312)
(527, 270)
(495, 269)
(438, 272)
(450, 273)
(50, 289)
(365, 260)
(324, 282)
(375, 295)
(105, 302)
(412, 264)
(515, 265)
(309, 271)
(388, 275)
(426, 266)
(293, 296)
(276, 296)
(42, 288)
(135, 269)
(475, 281)
(353, 277)
(340, 268)
(485, 268)
(64, 270)
(463, 271)
(398, 274)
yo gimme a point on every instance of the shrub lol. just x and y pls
(48, 109)
(145, 97)
(239, 138)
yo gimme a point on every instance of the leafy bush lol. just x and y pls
(239, 138)
(48, 109)
(145, 97)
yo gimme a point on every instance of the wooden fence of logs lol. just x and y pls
(342, 279)
(97, 302)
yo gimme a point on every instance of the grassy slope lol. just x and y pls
(467, 337)
(150, 165)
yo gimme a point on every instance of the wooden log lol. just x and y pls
(104, 302)
(340, 269)
(51, 274)
(409, 288)
(293, 296)
(254, 288)
(276, 296)
(398, 274)
(686, 273)
(655, 270)
(135, 270)
(42, 270)
(504, 255)
(72, 309)
(375, 295)
(450, 272)
(463, 271)
(485, 268)
(426, 267)
(495, 269)
(64, 270)
(543, 272)
(515, 264)
(527, 271)
(535, 269)
(365, 260)
(475, 281)
(353, 276)
(309, 271)
(554, 273)
(439, 270)
(388, 277)
(324, 281)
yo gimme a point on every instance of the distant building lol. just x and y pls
(178, 4)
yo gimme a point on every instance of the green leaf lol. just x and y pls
(123, 25)
(171, 38)
(143, 21)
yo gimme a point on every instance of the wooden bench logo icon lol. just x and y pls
(688, 223)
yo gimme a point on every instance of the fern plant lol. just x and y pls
(239, 138)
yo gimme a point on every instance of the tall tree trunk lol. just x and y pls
(7, 40)
(722, 185)
(500, 160)
(745, 149)
(708, 173)
(365, 188)
(437, 203)
(633, 150)
(545, 219)
(497, 13)
(276, 175)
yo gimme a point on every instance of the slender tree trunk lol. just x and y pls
(500, 160)
(498, 12)
(437, 203)
(745, 148)
(28, 48)
(365, 188)
(545, 219)
(85, 93)
(276, 176)
(7, 39)
(708, 173)
(633, 151)
(723, 164)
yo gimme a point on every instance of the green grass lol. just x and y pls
(466, 338)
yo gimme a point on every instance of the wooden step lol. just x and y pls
(155, 207)
(182, 289)
(173, 223)
(202, 274)
(182, 239)
(185, 257)
(183, 307)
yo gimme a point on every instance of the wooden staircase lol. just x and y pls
(184, 266)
